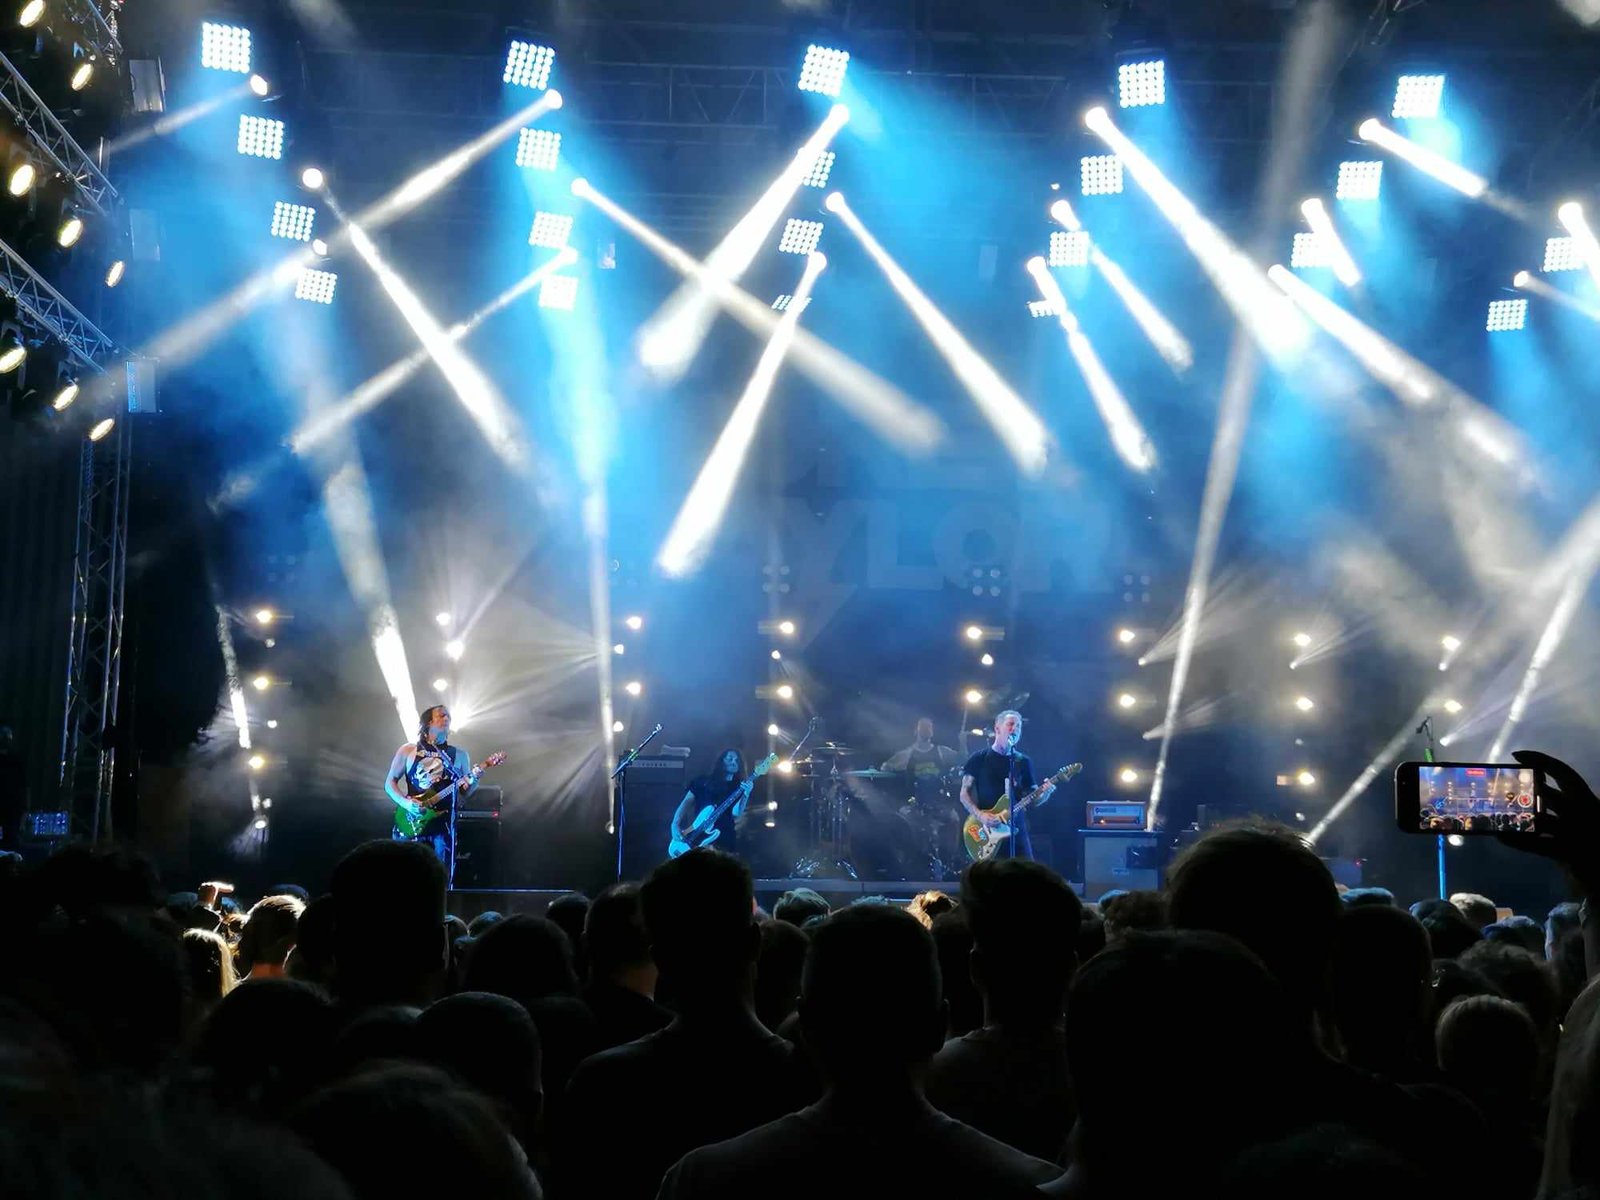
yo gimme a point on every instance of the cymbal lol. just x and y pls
(873, 773)
(827, 749)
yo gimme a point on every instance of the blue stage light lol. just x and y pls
(1100, 174)
(1418, 96)
(800, 237)
(1562, 254)
(1505, 316)
(1309, 251)
(1042, 308)
(538, 149)
(823, 70)
(1069, 248)
(559, 292)
(528, 65)
(1359, 180)
(551, 230)
(225, 47)
(1142, 84)
(820, 170)
(260, 137)
(785, 301)
(292, 221)
(316, 286)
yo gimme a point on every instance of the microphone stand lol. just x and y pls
(1426, 729)
(447, 757)
(620, 778)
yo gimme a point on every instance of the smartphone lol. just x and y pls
(1445, 797)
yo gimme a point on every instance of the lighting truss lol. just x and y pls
(1562, 254)
(1359, 179)
(559, 292)
(260, 137)
(52, 140)
(538, 149)
(315, 286)
(551, 230)
(225, 47)
(821, 168)
(1506, 316)
(1310, 250)
(1100, 174)
(528, 65)
(42, 306)
(1142, 84)
(1069, 248)
(1418, 96)
(293, 221)
(823, 70)
(800, 237)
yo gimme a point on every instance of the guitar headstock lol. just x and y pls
(495, 759)
(1067, 772)
(764, 765)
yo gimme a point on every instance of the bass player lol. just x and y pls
(712, 789)
(1000, 772)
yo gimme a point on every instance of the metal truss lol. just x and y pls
(48, 311)
(96, 29)
(52, 140)
(94, 648)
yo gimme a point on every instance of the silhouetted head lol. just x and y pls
(778, 968)
(524, 957)
(1383, 990)
(925, 906)
(269, 932)
(489, 1043)
(799, 906)
(613, 933)
(1523, 932)
(1489, 1050)
(697, 911)
(1134, 912)
(312, 956)
(952, 939)
(1024, 919)
(266, 1044)
(1521, 977)
(390, 944)
(569, 912)
(1478, 910)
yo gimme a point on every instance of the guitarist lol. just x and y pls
(428, 763)
(713, 788)
(999, 772)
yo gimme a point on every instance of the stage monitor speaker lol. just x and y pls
(656, 784)
(1119, 860)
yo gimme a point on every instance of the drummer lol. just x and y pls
(924, 763)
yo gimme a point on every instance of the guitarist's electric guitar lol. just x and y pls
(436, 800)
(984, 841)
(702, 830)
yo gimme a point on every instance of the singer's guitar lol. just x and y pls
(983, 842)
(436, 800)
(702, 830)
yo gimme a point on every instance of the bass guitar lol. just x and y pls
(702, 830)
(983, 842)
(436, 800)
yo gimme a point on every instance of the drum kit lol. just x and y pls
(899, 831)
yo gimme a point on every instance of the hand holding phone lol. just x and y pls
(1569, 825)
(1468, 798)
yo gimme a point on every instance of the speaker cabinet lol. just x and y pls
(1114, 859)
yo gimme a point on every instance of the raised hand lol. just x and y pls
(1569, 823)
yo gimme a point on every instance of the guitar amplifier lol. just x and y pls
(478, 840)
(1115, 814)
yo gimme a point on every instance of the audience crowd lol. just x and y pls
(1252, 1030)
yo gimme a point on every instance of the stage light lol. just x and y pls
(260, 137)
(64, 398)
(1069, 248)
(1126, 636)
(272, 724)
(441, 619)
(454, 649)
(1571, 216)
(1017, 425)
(617, 727)
(1427, 161)
(786, 628)
(1127, 700)
(264, 616)
(260, 823)
(1359, 179)
(70, 231)
(1142, 84)
(559, 292)
(551, 230)
(973, 696)
(30, 14)
(1309, 252)
(319, 248)
(538, 149)
(974, 632)
(987, 660)
(1417, 96)
(823, 70)
(1042, 308)
(315, 286)
(1099, 175)
(1128, 776)
(1338, 256)
(787, 768)
(292, 221)
(257, 761)
(1506, 316)
(101, 428)
(1452, 707)
(441, 685)
(1305, 779)
(21, 178)
(115, 272)
(773, 731)
(777, 655)
(635, 622)
(261, 683)
(633, 687)
(1560, 254)
(528, 65)
(259, 86)
(1305, 703)
(820, 170)
(222, 47)
(783, 302)
(12, 352)
(772, 805)
(800, 236)
(1456, 840)
(785, 692)
(1450, 642)
(271, 642)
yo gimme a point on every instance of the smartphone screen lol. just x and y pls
(1467, 798)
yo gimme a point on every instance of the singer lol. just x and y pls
(423, 768)
(1001, 772)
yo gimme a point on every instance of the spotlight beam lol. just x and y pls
(1018, 426)
(879, 404)
(1452, 174)
(698, 519)
(1555, 632)
(1572, 217)
(182, 341)
(175, 121)
(1380, 762)
(1527, 281)
(669, 340)
(1344, 266)
(482, 401)
(1127, 435)
(230, 667)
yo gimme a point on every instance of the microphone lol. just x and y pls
(1426, 721)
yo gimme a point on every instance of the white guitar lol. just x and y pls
(702, 830)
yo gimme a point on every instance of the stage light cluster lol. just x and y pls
(550, 230)
(260, 137)
(1506, 316)
(1310, 251)
(528, 65)
(823, 70)
(1043, 308)
(292, 221)
(1100, 175)
(559, 292)
(538, 149)
(1069, 248)
(1142, 84)
(1418, 96)
(315, 286)
(222, 47)
(821, 168)
(800, 236)
(1561, 254)
(1359, 179)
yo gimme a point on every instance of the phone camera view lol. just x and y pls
(1476, 799)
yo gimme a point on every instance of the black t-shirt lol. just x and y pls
(988, 771)
(713, 789)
